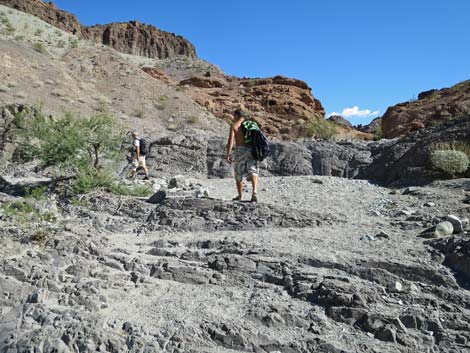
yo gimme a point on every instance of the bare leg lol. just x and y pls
(240, 188)
(133, 172)
(146, 170)
(254, 181)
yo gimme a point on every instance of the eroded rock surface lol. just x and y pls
(208, 275)
(284, 106)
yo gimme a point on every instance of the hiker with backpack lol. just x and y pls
(139, 151)
(251, 147)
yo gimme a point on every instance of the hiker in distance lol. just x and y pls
(139, 150)
(244, 162)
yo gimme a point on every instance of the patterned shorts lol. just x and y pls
(139, 163)
(244, 164)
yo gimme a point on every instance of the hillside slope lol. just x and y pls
(44, 66)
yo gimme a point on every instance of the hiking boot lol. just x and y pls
(254, 198)
(146, 177)
(238, 198)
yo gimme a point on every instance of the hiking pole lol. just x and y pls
(129, 162)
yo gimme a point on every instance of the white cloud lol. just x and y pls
(355, 112)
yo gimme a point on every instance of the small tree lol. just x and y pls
(71, 143)
(84, 147)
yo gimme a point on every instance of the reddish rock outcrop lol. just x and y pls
(157, 74)
(130, 38)
(431, 107)
(284, 106)
(203, 82)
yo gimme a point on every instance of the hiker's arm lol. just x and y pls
(137, 152)
(231, 137)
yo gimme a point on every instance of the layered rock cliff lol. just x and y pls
(130, 38)
(431, 107)
(140, 39)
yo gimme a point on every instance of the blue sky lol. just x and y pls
(362, 53)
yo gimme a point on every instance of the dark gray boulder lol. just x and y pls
(289, 158)
(343, 159)
(179, 154)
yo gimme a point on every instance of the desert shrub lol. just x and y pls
(32, 215)
(378, 134)
(450, 162)
(9, 29)
(321, 128)
(39, 47)
(38, 32)
(193, 119)
(105, 180)
(119, 188)
(73, 43)
(453, 146)
(61, 43)
(139, 113)
(19, 38)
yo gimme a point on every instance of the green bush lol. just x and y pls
(378, 134)
(73, 43)
(321, 128)
(104, 180)
(74, 145)
(84, 147)
(39, 47)
(10, 29)
(450, 162)
(193, 119)
(119, 188)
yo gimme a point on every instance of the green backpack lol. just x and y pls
(248, 127)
